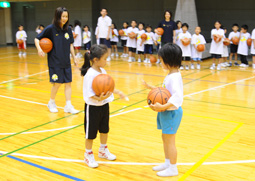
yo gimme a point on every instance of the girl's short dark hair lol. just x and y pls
(148, 26)
(96, 51)
(235, 24)
(185, 24)
(177, 22)
(245, 27)
(57, 18)
(171, 55)
(167, 11)
(77, 22)
(141, 24)
(115, 27)
(86, 26)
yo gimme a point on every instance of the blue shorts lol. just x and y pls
(87, 45)
(60, 75)
(105, 42)
(169, 121)
(196, 59)
(148, 49)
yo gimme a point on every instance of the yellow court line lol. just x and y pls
(202, 160)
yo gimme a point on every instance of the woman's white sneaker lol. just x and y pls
(168, 172)
(161, 167)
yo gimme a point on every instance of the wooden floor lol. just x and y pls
(215, 141)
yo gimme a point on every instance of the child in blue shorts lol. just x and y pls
(169, 120)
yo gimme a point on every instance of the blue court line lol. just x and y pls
(44, 168)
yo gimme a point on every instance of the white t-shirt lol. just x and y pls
(103, 26)
(217, 48)
(86, 37)
(233, 34)
(96, 31)
(115, 36)
(38, 31)
(158, 38)
(173, 83)
(77, 40)
(132, 42)
(125, 33)
(88, 91)
(252, 44)
(242, 45)
(225, 49)
(186, 50)
(177, 32)
(139, 40)
(21, 35)
(150, 38)
(196, 40)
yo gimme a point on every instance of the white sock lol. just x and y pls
(103, 145)
(52, 100)
(68, 103)
(167, 161)
(88, 151)
(173, 166)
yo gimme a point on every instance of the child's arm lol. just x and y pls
(73, 55)
(147, 85)
(174, 37)
(102, 96)
(121, 94)
(159, 107)
(40, 52)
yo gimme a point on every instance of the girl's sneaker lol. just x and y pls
(218, 67)
(198, 66)
(139, 60)
(253, 66)
(90, 160)
(116, 55)
(105, 153)
(168, 172)
(161, 167)
(181, 67)
(212, 67)
(187, 67)
(192, 67)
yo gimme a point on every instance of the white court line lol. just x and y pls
(125, 163)
(4, 82)
(9, 57)
(56, 129)
(27, 101)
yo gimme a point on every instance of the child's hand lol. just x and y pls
(76, 61)
(41, 53)
(156, 43)
(157, 107)
(103, 97)
(147, 86)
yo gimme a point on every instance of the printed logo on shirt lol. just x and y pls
(198, 41)
(85, 36)
(20, 36)
(54, 77)
(56, 34)
(67, 36)
(243, 39)
(159, 39)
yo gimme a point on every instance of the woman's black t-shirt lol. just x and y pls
(169, 27)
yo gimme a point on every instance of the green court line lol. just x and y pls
(220, 104)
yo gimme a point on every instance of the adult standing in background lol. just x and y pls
(104, 34)
(169, 28)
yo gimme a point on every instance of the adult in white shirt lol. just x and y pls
(104, 34)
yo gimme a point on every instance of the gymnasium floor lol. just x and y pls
(215, 141)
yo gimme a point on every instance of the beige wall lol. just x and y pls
(8, 27)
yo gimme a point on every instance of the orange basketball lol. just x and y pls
(226, 42)
(121, 32)
(160, 31)
(112, 32)
(159, 94)
(144, 36)
(249, 42)
(103, 83)
(215, 39)
(132, 35)
(185, 41)
(201, 47)
(73, 34)
(46, 45)
(235, 40)
(19, 41)
(153, 59)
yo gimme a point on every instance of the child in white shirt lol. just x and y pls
(177, 32)
(196, 40)
(114, 40)
(124, 40)
(158, 45)
(21, 36)
(131, 41)
(86, 38)
(77, 38)
(225, 50)
(243, 47)
(140, 42)
(148, 45)
(233, 47)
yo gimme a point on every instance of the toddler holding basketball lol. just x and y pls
(21, 37)
(170, 114)
(96, 107)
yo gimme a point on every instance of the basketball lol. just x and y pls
(121, 32)
(153, 59)
(160, 31)
(46, 45)
(186, 42)
(19, 41)
(112, 32)
(235, 40)
(103, 83)
(215, 39)
(144, 36)
(226, 42)
(201, 47)
(132, 35)
(73, 34)
(159, 94)
(249, 42)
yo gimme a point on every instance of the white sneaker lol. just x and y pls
(123, 55)
(161, 167)
(223, 64)
(20, 54)
(192, 67)
(158, 62)
(52, 107)
(90, 160)
(227, 64)
(139, 60)
(243, 65)
(126, 55)
(253, 66)
(145, 60)
(133, 59)
(24, 54)
(218, 67)
(116, 55)
(212, 67)
(70, 109)
(181, 67)
(112, 55)
(105, 153)
(168, 172)
(198, 66)
(187, 67)
(108, 59)
(129, 59)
